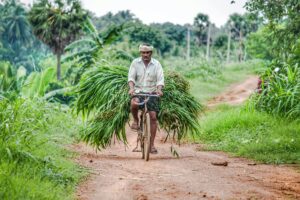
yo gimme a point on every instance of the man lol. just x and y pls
(146, 75)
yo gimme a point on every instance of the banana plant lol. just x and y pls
(37, 83)
(89, 50)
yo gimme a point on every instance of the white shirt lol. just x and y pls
(146, 79)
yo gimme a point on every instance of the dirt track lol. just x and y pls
(119, 174)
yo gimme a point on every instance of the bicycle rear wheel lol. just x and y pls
(147, 137)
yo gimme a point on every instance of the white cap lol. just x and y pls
(145, 47)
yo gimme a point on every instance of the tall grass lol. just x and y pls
(33, 160)
(280, 91)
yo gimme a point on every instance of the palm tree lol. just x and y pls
(201, 24)
(57, 24)
(15, 29)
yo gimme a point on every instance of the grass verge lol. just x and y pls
(251, 134)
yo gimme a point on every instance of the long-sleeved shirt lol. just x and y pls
(146, 79)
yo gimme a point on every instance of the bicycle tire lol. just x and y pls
(141, 137)
(147, 137)
(142, 141)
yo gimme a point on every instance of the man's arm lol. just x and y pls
(131, 87)
(131, 78)
(160, 80)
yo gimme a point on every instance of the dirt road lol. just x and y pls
(119, 174)
(236, 93)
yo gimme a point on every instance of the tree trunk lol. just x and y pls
(208, 42)
(58, 72)
(240, 54)
(228, 46)
(188, 44)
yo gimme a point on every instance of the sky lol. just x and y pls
(175, 11)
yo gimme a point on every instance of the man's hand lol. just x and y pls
(131, 88)
(159, 92)
(131, 91)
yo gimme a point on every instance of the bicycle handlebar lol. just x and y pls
(145, 95)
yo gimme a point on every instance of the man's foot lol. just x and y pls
(134, 126)
(136, 149)
(153, 150)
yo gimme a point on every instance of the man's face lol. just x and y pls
(146, 55)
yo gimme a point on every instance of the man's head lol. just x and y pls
(146, 51)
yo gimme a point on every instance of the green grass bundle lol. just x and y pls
(103, 92)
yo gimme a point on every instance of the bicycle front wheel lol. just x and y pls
(147, 138)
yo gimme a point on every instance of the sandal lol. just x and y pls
(153, 150)
(136, 149)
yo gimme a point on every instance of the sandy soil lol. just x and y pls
(118, 173)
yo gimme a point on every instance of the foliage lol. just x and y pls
(17, 42)
(280, 91)
(33, 160)
(201, 23)
(110, 19)
(141, 33)
(57, 24)
(252, 134)
(283, 20)
(104, 92)
(88, 51)
(37, 83)
(174, 32)
(259, 46)
(11, 80)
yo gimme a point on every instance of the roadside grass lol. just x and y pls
(34, 162)
(252, 134)
(204, 89)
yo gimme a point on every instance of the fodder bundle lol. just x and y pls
(103, 98)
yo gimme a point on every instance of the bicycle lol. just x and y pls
(144, 135)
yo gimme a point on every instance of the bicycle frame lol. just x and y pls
(144, 133)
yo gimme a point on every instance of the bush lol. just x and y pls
(280, 91)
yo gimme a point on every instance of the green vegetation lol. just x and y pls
(103, 91)
(280, 92)
(34, 159)
(207, 84)
(36, 122)
(252, 134)
(57, 24)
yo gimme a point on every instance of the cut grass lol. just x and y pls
(251, 134)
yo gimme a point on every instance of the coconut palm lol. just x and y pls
(17, 28)
(57, 24)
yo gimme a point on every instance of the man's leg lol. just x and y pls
(134, 110)
(153, 127)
